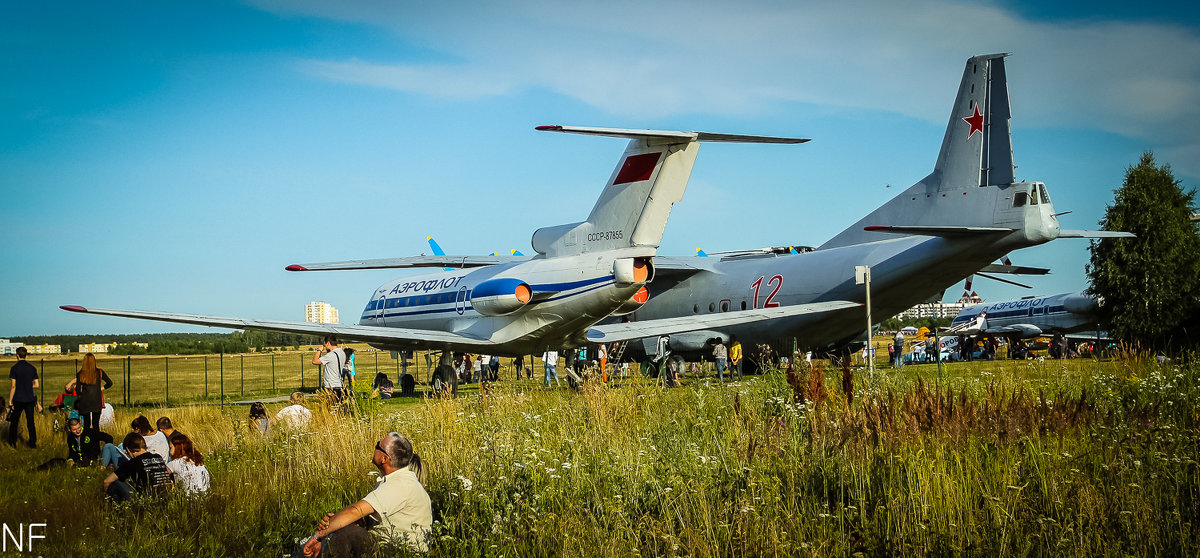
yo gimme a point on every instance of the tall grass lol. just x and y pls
(1041, 458)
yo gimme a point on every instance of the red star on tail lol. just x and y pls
(975, 121)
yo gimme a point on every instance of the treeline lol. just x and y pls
(178, 343)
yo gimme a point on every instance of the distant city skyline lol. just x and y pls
(176, 157)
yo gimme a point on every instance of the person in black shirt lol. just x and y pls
(24, 379)
(83, 446)
(145, 472)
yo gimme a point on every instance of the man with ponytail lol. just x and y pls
(397, 511)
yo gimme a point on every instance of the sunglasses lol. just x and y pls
(379, 448)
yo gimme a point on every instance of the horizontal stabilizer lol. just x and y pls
(1014, 269)
(1066, 233)
(935, 230)
(1002, 280)
(611, 333)
(372, 334)
(669, 135)
(448, 262)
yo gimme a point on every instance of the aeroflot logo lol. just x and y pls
(427, 285)
(1017, 304)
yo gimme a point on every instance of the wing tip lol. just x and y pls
(549, 128)
(296, 267)
(73, 308)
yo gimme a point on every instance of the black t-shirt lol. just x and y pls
(86, 447)
(145, 471)
(24, 373)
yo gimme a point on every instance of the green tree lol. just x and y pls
(1149, 284)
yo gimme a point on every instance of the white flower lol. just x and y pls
(466, 483)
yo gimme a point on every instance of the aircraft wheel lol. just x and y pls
(649, 369)
(444, 380)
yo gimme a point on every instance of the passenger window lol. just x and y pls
(712, 307)
(1019, 199)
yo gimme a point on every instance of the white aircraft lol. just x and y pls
(1029, 317)
(512, 305)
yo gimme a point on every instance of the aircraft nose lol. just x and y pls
(1080, 304)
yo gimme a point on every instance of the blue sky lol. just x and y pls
(176, 156)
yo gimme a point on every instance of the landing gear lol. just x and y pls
(445, 378)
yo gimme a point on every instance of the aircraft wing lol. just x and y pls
(611, 333)
(410, 262)
(355, 332)
(937, 230)
(1070, 233)
(676, 266)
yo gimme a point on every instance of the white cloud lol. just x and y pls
(643, 60)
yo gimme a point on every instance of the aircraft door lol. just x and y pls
(380, 302)
(460, 301)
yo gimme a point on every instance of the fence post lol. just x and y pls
(128, 381)
(42, 375)
(242, 368)
(272, 373)
(301, 371)
(206, 376)
(167, 378)
(221, 355)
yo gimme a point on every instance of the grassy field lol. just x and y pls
(1073, 458)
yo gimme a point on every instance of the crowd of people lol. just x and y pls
(153, 460)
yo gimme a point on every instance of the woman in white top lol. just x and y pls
(187, 465)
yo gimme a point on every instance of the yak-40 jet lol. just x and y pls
(969, 212)
(510, 305)
(1031, 317)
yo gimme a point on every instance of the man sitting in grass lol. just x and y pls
(295, 415)
(397, 511)
(144, 473)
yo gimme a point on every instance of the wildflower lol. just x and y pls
(466, 483)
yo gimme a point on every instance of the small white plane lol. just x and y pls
(513, 305)
(1029, 317)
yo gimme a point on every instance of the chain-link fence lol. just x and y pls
(141, 380)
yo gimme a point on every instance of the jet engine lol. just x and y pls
(632, 271)
(636, 301)
(498, 297)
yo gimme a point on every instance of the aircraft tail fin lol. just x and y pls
(976, 153)
(650, 177)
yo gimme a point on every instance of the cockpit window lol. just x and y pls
(1042, 189)
(1020, 199)
(1033, 196)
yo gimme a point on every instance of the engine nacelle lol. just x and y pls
(636, 301)
(1027, 330)
(498, 297)
(1081, 304)
(632, 271)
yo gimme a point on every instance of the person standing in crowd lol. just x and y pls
(144, 473)
(88, 383)
(550, 362)
(348, 371)
(295, 415)
(720, 357)
(258, 421)
(399, 501)
(602, 353)
(477, 368)
(23, 379)
(332, 363)
(899, 342)
(735, 358)
(494, 368)
(187, 465)
(65, 402)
